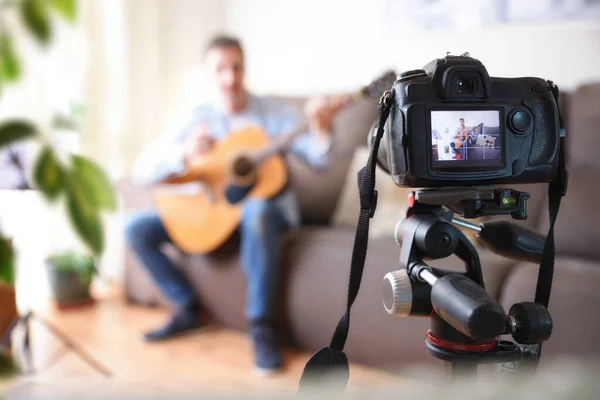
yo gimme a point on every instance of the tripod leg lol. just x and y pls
(27, 345)
(72, 346)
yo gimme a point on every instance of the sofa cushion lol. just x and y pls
(318, 191)
(391, 200)
(576, 232)
(583, 127)
(574, 304)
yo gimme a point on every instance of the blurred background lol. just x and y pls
(131, 70)
(134, 65)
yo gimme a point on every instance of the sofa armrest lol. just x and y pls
(133, 196)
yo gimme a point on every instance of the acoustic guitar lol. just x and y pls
(246, 164)
(464, 136)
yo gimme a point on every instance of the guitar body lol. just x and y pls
(201, 221)
(459, 142)
(465, 136)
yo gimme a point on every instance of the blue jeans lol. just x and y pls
(262, 228)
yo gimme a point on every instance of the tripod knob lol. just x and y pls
(531, 323)
(403, 296)
(397, 293)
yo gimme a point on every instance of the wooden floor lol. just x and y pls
(215, 360)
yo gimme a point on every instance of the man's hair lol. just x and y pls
(220, 41)
(462, 119)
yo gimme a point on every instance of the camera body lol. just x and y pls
(454, 125)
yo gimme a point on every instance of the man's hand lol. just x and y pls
(197, 143)
(321, 112)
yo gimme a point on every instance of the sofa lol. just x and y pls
(317, 257)
(477, 152)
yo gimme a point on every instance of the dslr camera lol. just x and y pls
(454, 125)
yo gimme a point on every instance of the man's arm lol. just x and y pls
(164, 158)
(314, 145)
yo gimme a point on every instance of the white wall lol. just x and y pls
(164, 41)
(142, 52)
(303, 46)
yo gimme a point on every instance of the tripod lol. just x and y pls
(466, 321)
(69, 344)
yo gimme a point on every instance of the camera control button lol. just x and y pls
(520, 121)
(410, 75)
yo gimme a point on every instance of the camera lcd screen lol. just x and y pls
(465, 138)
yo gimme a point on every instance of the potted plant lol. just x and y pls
(72, 180)
(70, 275)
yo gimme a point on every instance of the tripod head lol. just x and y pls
(466, 321)
(473, 202)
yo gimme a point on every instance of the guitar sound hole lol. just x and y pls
(243, 166)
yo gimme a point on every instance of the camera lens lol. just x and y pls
(466, 86)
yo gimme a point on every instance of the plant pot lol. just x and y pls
(8, 307)
(67, 287)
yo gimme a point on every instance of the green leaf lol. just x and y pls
(15, 130)
(67, 8)
(96, 184)
(10, 69)
(35, 16)
(48, 174)
(84, 215)
(7, 262)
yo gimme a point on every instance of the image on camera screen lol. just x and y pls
(465, 135)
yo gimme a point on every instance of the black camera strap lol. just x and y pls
(556, 190)
(329, 366)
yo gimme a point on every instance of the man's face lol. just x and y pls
(462, 123)
(226, 67)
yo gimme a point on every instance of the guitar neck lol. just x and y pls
(281, 143)
(278, 145)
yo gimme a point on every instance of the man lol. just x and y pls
(263, 222)
(462, 136)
